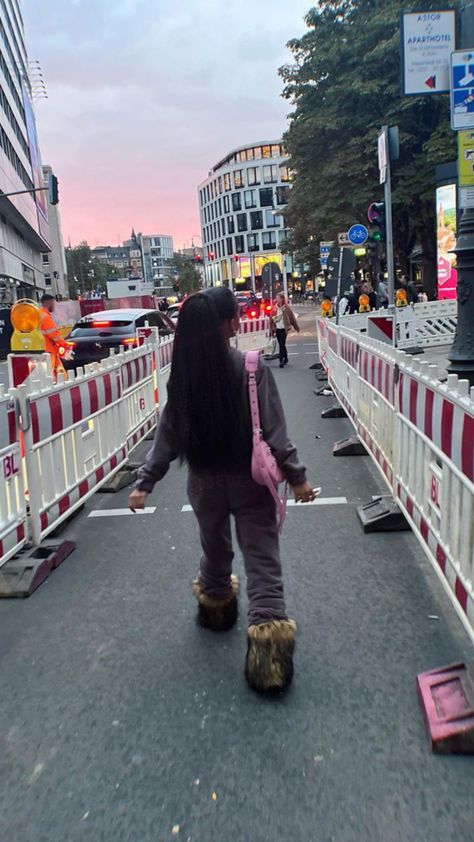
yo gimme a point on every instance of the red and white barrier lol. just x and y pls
(420, 433)
(138, 385)
(253, 335)
(12, 498)
(74, 439)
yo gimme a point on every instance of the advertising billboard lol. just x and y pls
(446, 241)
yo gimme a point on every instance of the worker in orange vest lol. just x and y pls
(54, 344)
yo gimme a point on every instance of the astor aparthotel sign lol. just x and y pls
(428, 39)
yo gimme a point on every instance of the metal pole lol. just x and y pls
(461, 355)
(339, 282)
(389, 225)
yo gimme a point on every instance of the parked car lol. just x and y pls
(94, 336)
(249, 305)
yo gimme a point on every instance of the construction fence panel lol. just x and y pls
(13, 531)
(435, 475)
(138, 372)
(75, 438)
(376, 405)
(164, 357)
(253, 334)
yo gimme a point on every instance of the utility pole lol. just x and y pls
(461, 355)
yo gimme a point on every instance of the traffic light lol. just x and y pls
(197, 258)
(53, 189)
(376, 216)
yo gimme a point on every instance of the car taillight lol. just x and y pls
(101, 324)
(253, 314)
(71, 344)
(132, 342)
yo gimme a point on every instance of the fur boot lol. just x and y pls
(217, 614)
(269, 662)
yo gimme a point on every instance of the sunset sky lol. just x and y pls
(146, 95)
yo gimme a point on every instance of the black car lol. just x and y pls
(93, 336)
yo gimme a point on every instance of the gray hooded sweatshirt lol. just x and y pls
(272, 421)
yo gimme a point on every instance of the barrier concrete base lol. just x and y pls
(335, 411)
(317, 366)
(25, 572)
(120, 480)
(382, 515)
(321, 375)
(323, 391)
(351, 446)
(447, 698)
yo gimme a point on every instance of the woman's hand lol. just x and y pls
(304, 493)
(137, 499)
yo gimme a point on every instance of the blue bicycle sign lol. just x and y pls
(357, 234)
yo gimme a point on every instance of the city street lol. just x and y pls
(123, 721)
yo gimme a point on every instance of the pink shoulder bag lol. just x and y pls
(265, 470)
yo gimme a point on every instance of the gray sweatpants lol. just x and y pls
(214, 497)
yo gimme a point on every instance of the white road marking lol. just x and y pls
(320, 501)
(149, 510)
(310, 344)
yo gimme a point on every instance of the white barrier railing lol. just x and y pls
(253, 335)
(420, 434)
(12, 498)
(435, 323)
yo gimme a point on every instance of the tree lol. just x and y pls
(85, 272)
(187, 275)
(344, 83)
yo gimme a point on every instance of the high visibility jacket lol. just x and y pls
(52, 338)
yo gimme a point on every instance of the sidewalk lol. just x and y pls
(122, 720)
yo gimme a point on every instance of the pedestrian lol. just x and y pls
(382, 291)
(283, 320)
(410, 288)
(207, 424)
(422, 296)
(54, 344)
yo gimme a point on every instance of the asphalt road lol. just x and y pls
(122, 721)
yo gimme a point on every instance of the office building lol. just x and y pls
(24, 229)
(240, 205)
(157, 250)
(54, 261)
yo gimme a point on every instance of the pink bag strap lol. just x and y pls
(251, 366)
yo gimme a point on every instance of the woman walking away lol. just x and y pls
(207, 424)
(283, 320)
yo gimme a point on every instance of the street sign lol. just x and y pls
(462, 90)
(382, 148)
(343, 240)
(325, 247)
(466, 158)
(428, 38)
(357, 234)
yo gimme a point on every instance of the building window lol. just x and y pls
(250, 154)
(267, 151)
(45, 259)
(236, 202)
(238, 178)
(239, 244)
(258, 152)
(201, 197)
(223, 226)
(250, 198)
(266, 197)
(241, 221)
(226, 204)
(282, 195)
(269, 239)
(276, 151)
(47, 280)
(256, 220)
(284, 172)
(220, 207)
(269, 174)
(230, 248)
(272, 220)
(227, 185)
(253, 175)
(253, 242)
(282, 236)
(230, 225)
(220, 184)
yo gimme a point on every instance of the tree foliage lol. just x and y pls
(85, 272)
(345, 83)
(187, 274)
